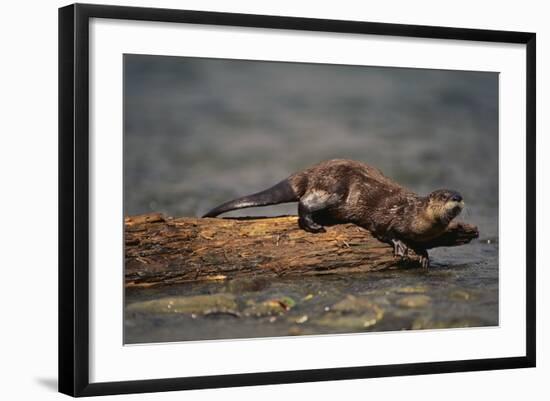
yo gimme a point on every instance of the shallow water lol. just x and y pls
(199, 132)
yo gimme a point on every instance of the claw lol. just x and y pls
(311, 226)
(315, 229)
(399, 248)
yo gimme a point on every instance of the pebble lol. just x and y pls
(241, 285)
(351, 313)
(349, 322)
(412, 290)
(194, 305)
(352, 303)
(414, 301)
(295, 331)
(302, 319)
(270, 307)
(460, 295)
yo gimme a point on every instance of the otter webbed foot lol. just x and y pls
(399, 248)
(309, 225)
(306, 208)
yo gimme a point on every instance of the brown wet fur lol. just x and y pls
(347, 191)
(362, 194)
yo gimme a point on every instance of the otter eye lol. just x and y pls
(456, 198)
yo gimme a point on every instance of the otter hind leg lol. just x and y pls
(311, 203)
(306, 222)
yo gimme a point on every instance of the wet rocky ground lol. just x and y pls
(383, 301)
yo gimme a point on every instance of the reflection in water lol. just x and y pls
(201, 131)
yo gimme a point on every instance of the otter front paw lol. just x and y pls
(424, 259)
(310, 226)
(399, 248)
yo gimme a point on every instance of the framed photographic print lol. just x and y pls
(251, 199)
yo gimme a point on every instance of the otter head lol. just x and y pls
(444, 205)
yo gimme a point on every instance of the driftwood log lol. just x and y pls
(163, 250)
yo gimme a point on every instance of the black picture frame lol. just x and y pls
(74, 198)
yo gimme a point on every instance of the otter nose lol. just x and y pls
(456, 198)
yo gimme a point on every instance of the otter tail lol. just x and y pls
(279, 193)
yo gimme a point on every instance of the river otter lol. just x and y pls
(347, 191)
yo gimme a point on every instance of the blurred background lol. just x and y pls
(199, 132)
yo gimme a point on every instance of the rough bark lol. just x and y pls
(163, 250)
